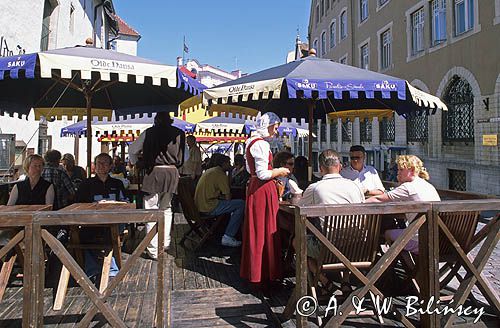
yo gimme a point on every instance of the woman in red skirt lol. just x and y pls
(261, 247)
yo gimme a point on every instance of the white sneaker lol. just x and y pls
(230, 241)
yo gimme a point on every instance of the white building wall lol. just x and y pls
(21, 24)
(126, 45)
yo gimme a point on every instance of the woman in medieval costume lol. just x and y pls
(261, 248)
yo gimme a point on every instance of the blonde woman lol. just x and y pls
(34, 190)
(412, 176)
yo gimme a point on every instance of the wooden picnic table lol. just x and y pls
(76, 245)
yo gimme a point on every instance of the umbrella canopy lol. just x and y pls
(72, 81)
(127, 127)
(224, 125)
(313, 87)
(330, 86)
(292, 129)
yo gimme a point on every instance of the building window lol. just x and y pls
(72, 19)
(457, 180)
(327, 5)
(322, 7)
(343, 60)
(333, 130)
(315, 131)
(47, 12)
(365, 56)
(346, 130)
(315, 45)
(386, 51)
(382, 2)
(387, 129)
(343, 25)
(317, 15)
(323, 43)
(458, 121)
(332, 34)
(363, 10)
(323, 132)
(365, 130)
(464, 16)
(417, 128)
(417, 31)
(438, 22)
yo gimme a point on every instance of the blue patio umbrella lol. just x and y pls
(89, 81)
(311, 87)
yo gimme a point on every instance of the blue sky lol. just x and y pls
(249, 35)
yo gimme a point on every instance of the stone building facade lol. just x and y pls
(448, 48)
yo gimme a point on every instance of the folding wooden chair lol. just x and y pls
(355, 236)
(202, 225)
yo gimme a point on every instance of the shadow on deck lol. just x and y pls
(203, 290)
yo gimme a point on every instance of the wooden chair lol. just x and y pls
(202, 225)
(462, 226)
(355, 236)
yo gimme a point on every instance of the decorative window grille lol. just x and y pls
(365, 130)
(417, 128)
(438, 22)
(457, 180)
(365, 57)
(386, 55)
(332, 35)
(343, 25)
(346, 130)
(363, 10)
(333, 130)
(417, 31)
(387, 129)
(458, 121)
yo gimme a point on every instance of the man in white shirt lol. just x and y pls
(365, 175)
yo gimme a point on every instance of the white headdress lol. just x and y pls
(264, 121)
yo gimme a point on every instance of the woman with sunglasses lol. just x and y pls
(291, 188)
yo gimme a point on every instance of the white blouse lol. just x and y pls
(260, 152)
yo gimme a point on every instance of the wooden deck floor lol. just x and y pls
(203, 290)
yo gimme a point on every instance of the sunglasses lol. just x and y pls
(356, 158)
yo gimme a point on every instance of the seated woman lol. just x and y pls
(291, 188)
(413, 177)
(34, 190)
(239, 174)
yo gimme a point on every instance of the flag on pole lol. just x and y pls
(186, 49)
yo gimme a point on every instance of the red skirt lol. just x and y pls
(261, 247)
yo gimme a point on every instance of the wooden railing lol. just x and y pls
(33, 228)
(428, 225)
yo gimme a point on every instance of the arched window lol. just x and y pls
(343, 25)
(315, 45)
(458, 121)
(323, 44)
(332, 34)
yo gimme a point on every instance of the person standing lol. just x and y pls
(192, 166)
(261, 247)
(365, 175)
(162, 147)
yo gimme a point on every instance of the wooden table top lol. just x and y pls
(97, 206)
(16, 208)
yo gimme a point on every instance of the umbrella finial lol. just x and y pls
(89, 42)
(312, 52)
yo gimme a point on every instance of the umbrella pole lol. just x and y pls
(88, 99)
(310, 105)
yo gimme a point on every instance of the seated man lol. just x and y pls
(331, 189)
(99, 188)
(213, 197)
(366, 175)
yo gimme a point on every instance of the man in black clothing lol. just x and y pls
(100, 188)
(162, 148)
